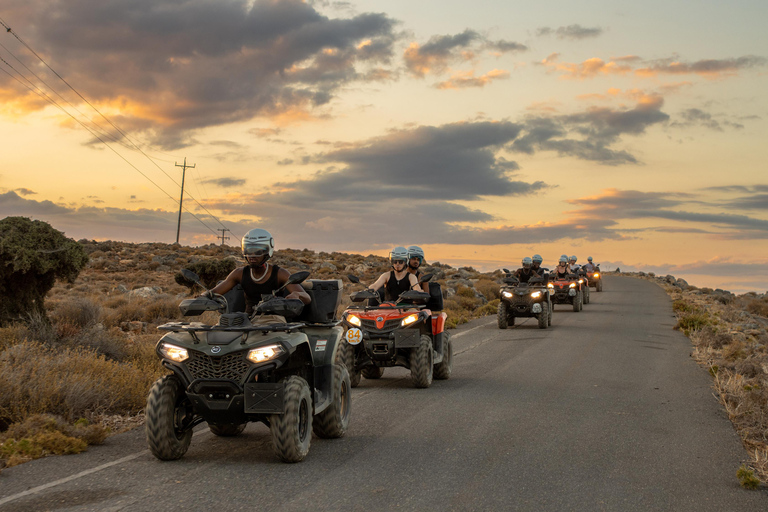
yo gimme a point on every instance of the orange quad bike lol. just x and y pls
(404, 333)
(566, 290)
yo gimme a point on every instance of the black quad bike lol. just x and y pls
(595, 279)
(584, 282)
(566, 290)
(400, 333)
(252, 369)
(529, 299)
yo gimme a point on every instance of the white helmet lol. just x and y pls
(537, 258)
(257, 243)
(414, 251)
(527, 262)
(398, 254)
(589, 259)
(563, 259)
(573, 258)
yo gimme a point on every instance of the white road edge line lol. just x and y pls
(87, 472)
(454, 336)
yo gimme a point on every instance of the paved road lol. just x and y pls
(604, 411)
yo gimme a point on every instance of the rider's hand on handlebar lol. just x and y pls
(207, 294)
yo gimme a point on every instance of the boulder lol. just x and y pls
(147, 292)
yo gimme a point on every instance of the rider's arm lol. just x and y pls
(296, 291)
(230, 282)
(414, 283)
(381, 281)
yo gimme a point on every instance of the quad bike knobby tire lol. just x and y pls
(372, 372)
(226, 430)
(444, 368)
(334, 420)
(599, 286)
(167, 408)
(421, 363)
(543, 316)
(501, 315)
(577, 303)
(586, 295)
(549, 315)
(292, 430)
(345, 355)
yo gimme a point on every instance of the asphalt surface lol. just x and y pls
(605, 410)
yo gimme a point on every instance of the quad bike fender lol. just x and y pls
(438, 323)
(324, 343)
(323, 384)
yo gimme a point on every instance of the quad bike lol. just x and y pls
(252, 369)
(595, 279)
(566, 290)
(584, 286)
(529, 299)
(400, 333)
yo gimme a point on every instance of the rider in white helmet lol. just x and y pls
(562, 269)
(259, 276)
(537, 260)
(397, 280)
(415, 259)
(526, 272)
(572, 264)
(590, 267)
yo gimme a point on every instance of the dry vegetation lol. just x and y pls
(70, 381)
(729, 336)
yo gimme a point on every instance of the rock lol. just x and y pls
(146, 292)
(121, 288)
(670, 279)
(455, 283)
(460, 274)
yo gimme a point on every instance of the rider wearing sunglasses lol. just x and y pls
(259, 277)
(397, 280)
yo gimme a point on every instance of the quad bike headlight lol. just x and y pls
(550, 285)
(572, 285)
(536, 295)
(261, 354)
(409, 319)
(352, 319)
(174, 353)
(581, 281)
(596, 274)
(507, 295)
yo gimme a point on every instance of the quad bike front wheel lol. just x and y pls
(168, 414)
(372, 372)
(543, 316)
(551, 308)
(345, 355)
(292, 430)
(599, 286)
(333, 422)
(501, 315)
(444, 368)
(421, 363)
(226, 430)
(577, 302)
(586, 295)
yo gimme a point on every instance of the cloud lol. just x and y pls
(435, 55)
(590, 68)
(225, 182)
(709, 68)
(697, 117)
(25, 192)
(175, 67)
(573, 32)
(502, 46)
(468, 79)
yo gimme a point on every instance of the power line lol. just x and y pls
(125, 135)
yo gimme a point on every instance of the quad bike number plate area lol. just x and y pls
(353, 336)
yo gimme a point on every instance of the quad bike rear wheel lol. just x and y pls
(444, 368)
(421, 364)
(333, 422)
(226, 429)
(292, 430)
(543, 316)
(168, 413)
(372, 372)
(501, 315)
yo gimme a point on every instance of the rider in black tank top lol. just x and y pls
(254, 291)
(394, 287)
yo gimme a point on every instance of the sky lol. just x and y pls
(483, 131)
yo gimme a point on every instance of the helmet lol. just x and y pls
(414, 251)
(563, 259)
(537, 258)
(589, 259)
(573, 259)
(527, 262)
(257, 243)
(398, 254)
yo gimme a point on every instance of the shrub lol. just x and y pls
(34, 255)
(747, 478)
(490, 289)
(692, 321)
(210, 271)
(758, 307)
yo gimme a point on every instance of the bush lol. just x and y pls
(693, 321)
(210, 272)
(490, 289)
(34, 255)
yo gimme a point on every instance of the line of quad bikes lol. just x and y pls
(292, 366)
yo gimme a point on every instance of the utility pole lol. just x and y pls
(181, 199)
(223, 232)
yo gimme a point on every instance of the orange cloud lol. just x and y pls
(590, 68)
(468, 79)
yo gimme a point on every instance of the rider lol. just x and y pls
(590, 267)
(572, 263)
(526, 272)
(259, 277)
(397, 280)
(415, 259)
(562, 270)
(537, 260)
